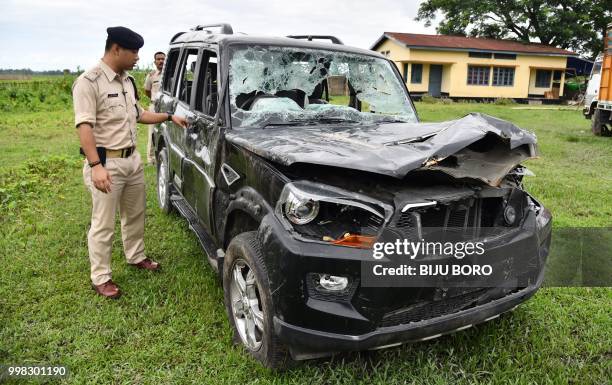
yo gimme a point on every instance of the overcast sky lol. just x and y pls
(58, 34)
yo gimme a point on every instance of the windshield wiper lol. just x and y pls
(294, 122)
(391, 121)
(335, 120)
(309, 122)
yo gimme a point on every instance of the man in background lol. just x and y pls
(152, 86)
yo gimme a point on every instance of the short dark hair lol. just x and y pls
(108, 45)
(158, 53)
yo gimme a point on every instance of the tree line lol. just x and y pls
(577, 25)
(29, 72)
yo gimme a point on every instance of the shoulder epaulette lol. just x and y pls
(92, 74)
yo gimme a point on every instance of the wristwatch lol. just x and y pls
(94, 164)
(169, 119)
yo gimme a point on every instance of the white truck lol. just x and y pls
(598, 97)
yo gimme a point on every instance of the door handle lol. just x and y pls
(193, 126)
(191, 123)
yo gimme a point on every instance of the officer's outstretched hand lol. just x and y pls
(101, 179)
(179, 120)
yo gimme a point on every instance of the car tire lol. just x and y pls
(599, 123)
(164, 185)
(248, 302)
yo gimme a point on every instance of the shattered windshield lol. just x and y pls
(297, 86)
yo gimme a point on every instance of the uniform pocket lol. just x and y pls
(87, 176)
(114, 110)
(138, 166)
(113, 103)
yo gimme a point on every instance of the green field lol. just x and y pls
(172, 328)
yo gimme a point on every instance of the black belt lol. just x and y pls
(122, 153)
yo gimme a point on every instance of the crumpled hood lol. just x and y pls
(392, 149)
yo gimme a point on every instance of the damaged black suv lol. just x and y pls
(300, 156)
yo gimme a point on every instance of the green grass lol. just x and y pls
(172, 328)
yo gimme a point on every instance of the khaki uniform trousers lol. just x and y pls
(127, 196)
(150, 149)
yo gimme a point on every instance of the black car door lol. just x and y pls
(184, 107)
(174, 136)
(202, 138)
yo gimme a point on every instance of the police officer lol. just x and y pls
(106, 111)
(152, 85)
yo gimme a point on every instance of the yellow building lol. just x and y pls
(466, 67)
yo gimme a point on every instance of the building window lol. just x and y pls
(505, 56)
(484, 55)
(385, 53)
(416, 76)
(543, 78)
(478, 75)
(405, 73)
(503, 76)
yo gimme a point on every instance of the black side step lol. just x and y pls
(194, 224)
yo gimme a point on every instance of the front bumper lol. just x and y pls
(314, 326)
(306, 343)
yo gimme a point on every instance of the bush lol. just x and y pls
(36, 95)
(432, 100)
(428, 99)
(504, 101)
(35, 177)
(48, 94)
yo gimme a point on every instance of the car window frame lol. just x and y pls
(201, 63)
(183, 56)
(166, 73)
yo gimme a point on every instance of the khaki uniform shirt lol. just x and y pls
(153, 83)
(108, 103)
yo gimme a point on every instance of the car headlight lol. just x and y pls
(300, 210)
(510, 215)
(328, 214)
(514, 211)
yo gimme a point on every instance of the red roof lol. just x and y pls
(472, 43)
